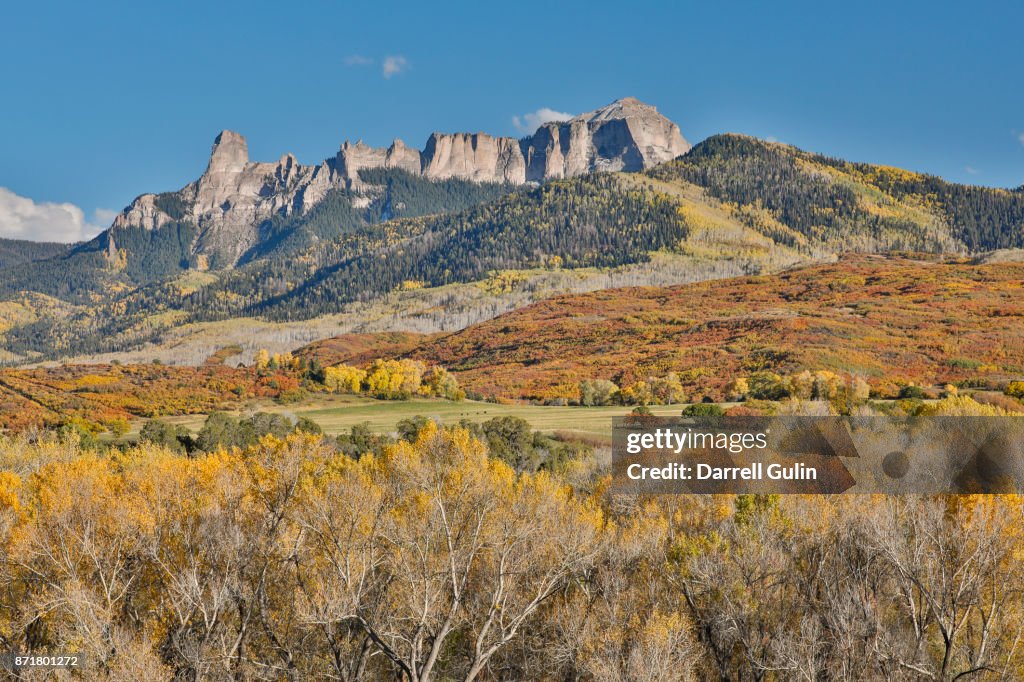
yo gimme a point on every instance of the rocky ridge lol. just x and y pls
(235, 196)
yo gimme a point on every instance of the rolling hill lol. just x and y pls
(890, 320)
(849, 206)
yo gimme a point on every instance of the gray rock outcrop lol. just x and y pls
(235, 196)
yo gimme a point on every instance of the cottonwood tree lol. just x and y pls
(437, 556)
(958, 581)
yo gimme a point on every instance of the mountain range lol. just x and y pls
(468, 228)
(232, 202)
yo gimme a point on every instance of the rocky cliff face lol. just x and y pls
(235, 196)
(475, 156)
(626, 135)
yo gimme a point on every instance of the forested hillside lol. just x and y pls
(400, 194)
(851, 206)
(590, 221)
(17, 251)
(140, 257)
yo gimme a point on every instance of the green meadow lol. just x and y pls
(337, 414)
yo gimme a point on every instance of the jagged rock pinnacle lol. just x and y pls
(235, 196)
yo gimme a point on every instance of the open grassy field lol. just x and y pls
(337, 414)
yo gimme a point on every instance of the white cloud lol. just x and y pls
(394, 65)
(104, 216)
(528, 123)
(23, 218)
(1020, 138)
(971, 170)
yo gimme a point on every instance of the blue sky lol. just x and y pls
(107, 100)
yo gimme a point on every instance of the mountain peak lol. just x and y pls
(230, 152)
(624, 108)
(643, 135)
